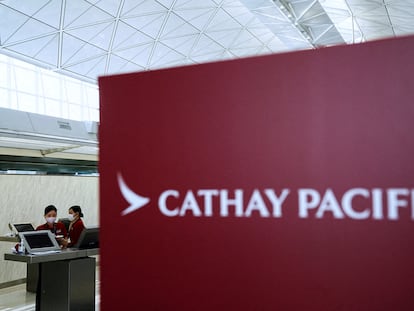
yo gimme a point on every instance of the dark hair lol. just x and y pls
(77, 209)
(50, 208)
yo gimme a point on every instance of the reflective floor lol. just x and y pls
(17, 299)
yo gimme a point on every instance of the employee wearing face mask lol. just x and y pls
(57, 228)
(76, 225)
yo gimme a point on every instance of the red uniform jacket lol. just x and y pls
(58, 229)
(75, 231)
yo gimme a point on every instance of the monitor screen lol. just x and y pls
(89, 238)
(24, 227)
(39, 240)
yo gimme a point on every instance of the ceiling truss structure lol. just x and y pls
(89, 38)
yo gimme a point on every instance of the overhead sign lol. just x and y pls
(283, 182)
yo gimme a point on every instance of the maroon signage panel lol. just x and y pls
(283, 182)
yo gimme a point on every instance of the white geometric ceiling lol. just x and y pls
(89, 38)
(86, 39)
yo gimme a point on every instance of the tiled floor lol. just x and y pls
(17, 299)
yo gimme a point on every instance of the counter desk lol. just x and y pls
(14, 239)
(66, 279)
(31, 269)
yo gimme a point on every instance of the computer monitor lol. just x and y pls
(39, 241)
(89, 238)
(23, 227)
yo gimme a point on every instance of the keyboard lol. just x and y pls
(45, 252)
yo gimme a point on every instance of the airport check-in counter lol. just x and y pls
(32, 269)
(66, 279)
(14, 239)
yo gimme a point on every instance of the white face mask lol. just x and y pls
(71, 217)
(50, 220)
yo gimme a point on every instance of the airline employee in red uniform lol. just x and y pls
(57, 228)
(76, 225)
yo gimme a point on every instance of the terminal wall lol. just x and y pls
(24, 197)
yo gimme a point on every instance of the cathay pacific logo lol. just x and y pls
(355, 203)
(135, 201)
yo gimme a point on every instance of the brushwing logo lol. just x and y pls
(135, 201)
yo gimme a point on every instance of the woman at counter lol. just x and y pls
(57, 228)
(76, 225)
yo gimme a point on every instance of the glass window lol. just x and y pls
(92, 97)
(75, 112)
(3, 74)
(41, 105)
(85, 113)
(26, 102)
(52, 108)
(30, 88)
(94, 115)
(4, 98)
(74, 92)
(51, 87)
(13, 100)
(26, 80)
